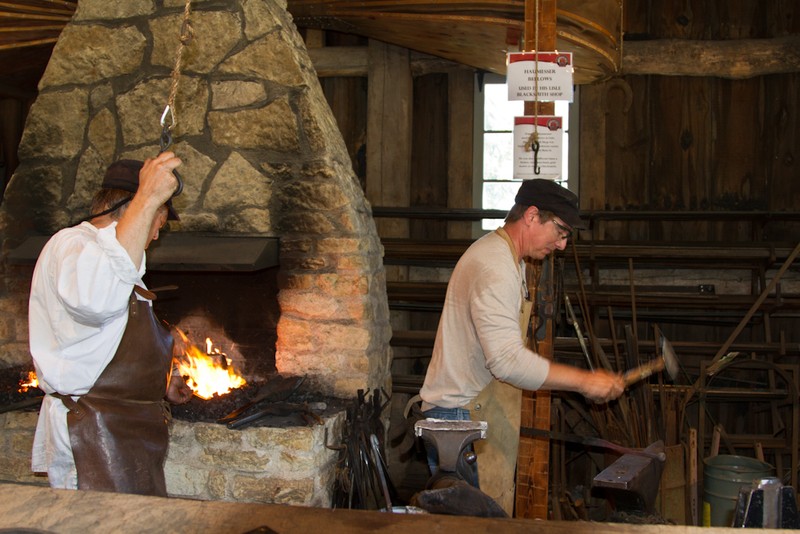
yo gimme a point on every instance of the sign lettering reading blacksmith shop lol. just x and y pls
(540, 77)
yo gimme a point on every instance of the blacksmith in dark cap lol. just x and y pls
(101, 356)
(481, 359)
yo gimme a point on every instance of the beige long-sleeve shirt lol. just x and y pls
(478, 335)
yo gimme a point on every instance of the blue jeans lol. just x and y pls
(467, 471)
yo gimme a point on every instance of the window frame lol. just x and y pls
(571, 144)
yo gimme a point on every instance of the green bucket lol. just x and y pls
(723, 475)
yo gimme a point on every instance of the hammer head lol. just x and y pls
(671, 363)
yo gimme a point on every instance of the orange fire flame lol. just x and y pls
(30, 382)
(207, 373)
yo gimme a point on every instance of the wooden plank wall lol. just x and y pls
(648, 143)
(694, 143)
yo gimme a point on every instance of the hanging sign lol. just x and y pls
(542, 77)
(546, 158)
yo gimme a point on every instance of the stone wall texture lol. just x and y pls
(211, 462)
(261, 154)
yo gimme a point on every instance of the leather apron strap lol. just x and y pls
(118, 430)
(500, 405)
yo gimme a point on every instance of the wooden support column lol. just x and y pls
(534, 453)
(390, 90)
(461, 102)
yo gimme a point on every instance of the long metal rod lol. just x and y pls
(590, 441)
(713, 367)
(578, 332)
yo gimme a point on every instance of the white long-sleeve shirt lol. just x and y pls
(78, 311)
(478, 337)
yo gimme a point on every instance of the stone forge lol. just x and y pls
(262, 157)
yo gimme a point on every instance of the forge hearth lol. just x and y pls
(238, 311)
(262, 159)
(278, 448)
(278, 402)
(289, 464)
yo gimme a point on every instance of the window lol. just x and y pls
(495, 123)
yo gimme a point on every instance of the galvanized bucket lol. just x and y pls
(723, 475)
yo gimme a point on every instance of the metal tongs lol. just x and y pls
(276, 390)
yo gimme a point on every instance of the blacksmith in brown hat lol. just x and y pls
(102, 358)
(480, 360)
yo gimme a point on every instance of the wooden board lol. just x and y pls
(28, 508)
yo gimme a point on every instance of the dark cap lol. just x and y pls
(547, 195)
(124, 175)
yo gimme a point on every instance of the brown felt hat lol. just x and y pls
(124, 175)
(547, 195)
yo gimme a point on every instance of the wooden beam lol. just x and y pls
(734, 58)
(353, 61)
(340, 60)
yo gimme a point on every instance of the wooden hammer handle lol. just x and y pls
(636, 374)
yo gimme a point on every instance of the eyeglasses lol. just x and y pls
(565, 233)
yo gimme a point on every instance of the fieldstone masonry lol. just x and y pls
(210, 462)
(262, 156)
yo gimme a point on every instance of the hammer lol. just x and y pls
(668, 360)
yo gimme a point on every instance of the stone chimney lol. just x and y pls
(262, 157)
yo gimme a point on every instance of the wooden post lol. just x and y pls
(533, 458)
(534, 453)
(389, 98)
(461, 102)
(693, 462)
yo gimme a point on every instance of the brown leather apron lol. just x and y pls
(500, 405)
(118, 430)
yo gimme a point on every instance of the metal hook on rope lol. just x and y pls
(533, 144)
(166, 129)
(165, 141)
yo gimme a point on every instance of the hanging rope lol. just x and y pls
(533, 140)
(185, 38)
(166, 128)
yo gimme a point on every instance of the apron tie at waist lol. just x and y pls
(70, 403)
(75, 407)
